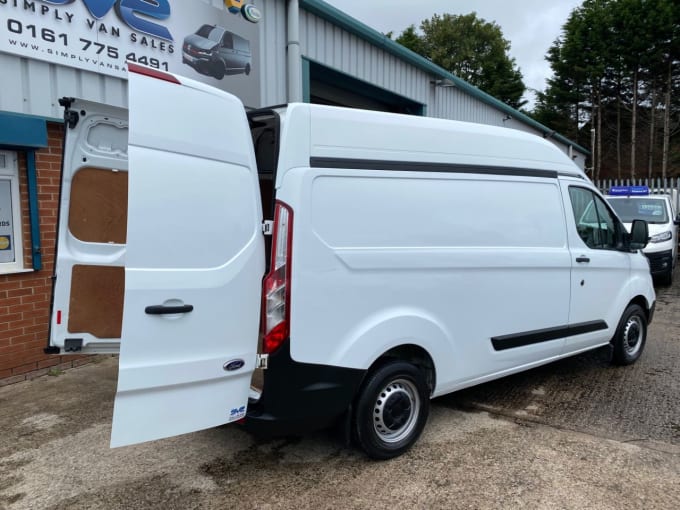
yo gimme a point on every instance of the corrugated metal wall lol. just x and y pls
(448, 102)
(34, 87)
(323, 42)
(273, 42)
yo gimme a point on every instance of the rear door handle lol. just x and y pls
(582, 259)
(168, 310)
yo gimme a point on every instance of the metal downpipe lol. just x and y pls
(293, 53)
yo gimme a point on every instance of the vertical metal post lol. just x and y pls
(34, 213)
(294, 54)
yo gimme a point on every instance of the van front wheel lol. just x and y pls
(217, 69)
(391, 410)
(631, 335)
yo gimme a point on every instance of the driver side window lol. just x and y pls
(228, 41)
(596, 225)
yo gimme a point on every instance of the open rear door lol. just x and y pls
(193, 261)
(89, 278)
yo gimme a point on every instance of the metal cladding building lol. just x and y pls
(266, 52)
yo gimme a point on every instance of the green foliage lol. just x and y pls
(473, 50)
(612, 66)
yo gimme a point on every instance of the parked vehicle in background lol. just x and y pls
(636, 203)
(378, 260)
(215, 51)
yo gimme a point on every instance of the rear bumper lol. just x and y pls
(301, 397)
(660, 262)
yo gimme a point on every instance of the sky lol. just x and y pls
(530, 26)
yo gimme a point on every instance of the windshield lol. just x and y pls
(652, 210)
(210, 32)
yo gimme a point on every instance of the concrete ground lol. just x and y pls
(574, 434)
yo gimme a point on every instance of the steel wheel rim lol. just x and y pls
(396, 410)
(632, 335)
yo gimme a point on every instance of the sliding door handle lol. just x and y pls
(582, 259)
(168, 310)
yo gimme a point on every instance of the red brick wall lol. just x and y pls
(25, 297)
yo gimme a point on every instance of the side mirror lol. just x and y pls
(639, 235)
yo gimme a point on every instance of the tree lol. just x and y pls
(670, 55)
(579, 61)
(616, 73)
(473, 50)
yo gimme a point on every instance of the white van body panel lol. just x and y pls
(655, 229)
(402, 274)
(208, 253)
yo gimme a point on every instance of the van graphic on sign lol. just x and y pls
(215, 51)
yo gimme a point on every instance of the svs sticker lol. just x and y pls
(237, 414)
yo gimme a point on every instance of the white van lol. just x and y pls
(380, 260)
(637, 202)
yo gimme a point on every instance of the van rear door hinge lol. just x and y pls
(262, 361)
(267, 227)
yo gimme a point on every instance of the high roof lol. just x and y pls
(410, 142)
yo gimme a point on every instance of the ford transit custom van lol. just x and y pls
(311, 265)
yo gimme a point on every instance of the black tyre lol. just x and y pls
(630, 337)
(391, 410)
(247, 69)
(217, 69)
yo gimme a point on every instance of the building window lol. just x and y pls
(11, 241)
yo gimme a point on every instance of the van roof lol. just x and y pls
(361, 135)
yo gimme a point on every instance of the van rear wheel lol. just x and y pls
(631, 335)
(391, 410)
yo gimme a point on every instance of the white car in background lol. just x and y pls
(637, 203)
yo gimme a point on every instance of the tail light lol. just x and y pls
(275, 321)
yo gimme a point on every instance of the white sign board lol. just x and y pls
(214, 41)
(6, 234)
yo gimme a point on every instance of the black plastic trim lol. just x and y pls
(168, 310)
(73, 344)
(658, 258)
(301, 397)
(651, 313)
(418, 166)
(500, 343)
(66, 103)
(565, 174)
